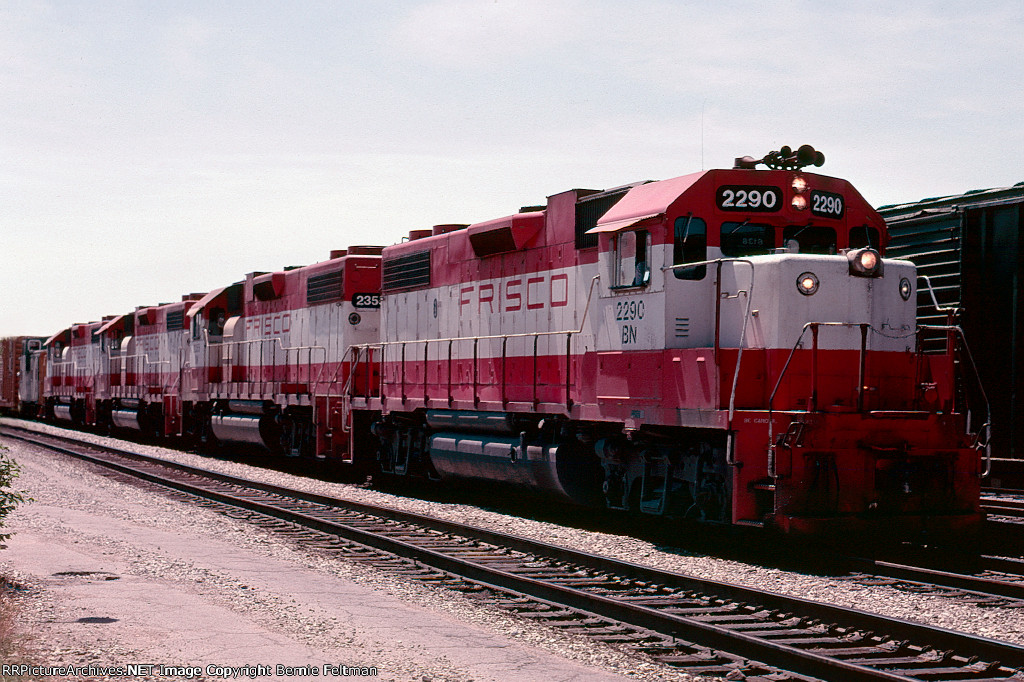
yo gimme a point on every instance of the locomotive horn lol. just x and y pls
(805, 155)
(785, 159)
(808, 156)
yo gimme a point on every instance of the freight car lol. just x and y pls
(969, 246)
(728, 346)
(21, 376)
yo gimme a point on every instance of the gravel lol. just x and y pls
(1005, 624)
(56, 483)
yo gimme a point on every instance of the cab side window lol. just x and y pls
(690, 246)
(632, 264)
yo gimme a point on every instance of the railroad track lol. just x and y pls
(1005, 503)
(988, 580)
(702, 626)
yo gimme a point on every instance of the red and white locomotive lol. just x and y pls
(728, 346)
(70, 383)
(267, 358)
(139, 381)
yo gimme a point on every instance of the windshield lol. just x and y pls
(747, 239)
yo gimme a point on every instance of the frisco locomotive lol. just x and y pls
(728, 346)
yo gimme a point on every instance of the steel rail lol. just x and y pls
(1003, 506)
(920, 575)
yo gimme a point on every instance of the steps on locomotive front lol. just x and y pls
(764, 496)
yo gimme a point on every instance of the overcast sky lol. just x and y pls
(151, 149)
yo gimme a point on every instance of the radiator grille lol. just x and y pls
(325, 287)
(406, 272)
(176, 321)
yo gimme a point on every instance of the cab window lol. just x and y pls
(810, 239)
(864, 235)
(690, 246)
(632, 267)
(747, 239)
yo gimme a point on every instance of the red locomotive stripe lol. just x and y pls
(674, 378)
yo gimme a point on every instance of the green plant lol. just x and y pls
(9, 498)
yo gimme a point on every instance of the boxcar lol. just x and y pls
(970, 247)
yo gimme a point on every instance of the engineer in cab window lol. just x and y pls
(632, 270)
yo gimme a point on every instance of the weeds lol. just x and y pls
(12, 644)
(9, 497)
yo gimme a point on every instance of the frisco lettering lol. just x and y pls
(268, 325)
(515, 293)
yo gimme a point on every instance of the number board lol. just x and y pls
(366, 300)
(748, 198)
(827, 204)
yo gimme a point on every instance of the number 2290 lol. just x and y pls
(629, 310)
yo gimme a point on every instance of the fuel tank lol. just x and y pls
(238, 429)
(125, 419)
(562, 470)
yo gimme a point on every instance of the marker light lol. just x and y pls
(865, 262)
(807, 283)
(799, 203)
(905, 289)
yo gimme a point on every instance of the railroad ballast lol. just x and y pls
(728, 346)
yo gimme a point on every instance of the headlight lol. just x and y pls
(865, 263)
(807, 283)
(905, 289)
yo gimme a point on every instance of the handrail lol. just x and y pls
(986, 427)
(935, 301)
(785, 367)
(115, 354)
(278, 342)
(383, 345)
(356, 352)
(730, 455)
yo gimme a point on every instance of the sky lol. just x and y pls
(153, 149)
